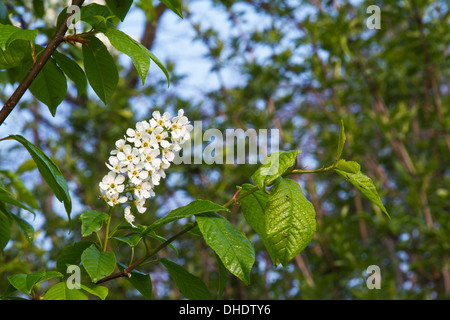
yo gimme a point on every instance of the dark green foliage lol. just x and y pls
(305, 68)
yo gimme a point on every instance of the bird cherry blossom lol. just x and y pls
(140, 159)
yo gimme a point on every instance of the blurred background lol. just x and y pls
(297, 66)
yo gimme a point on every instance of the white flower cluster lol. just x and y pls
(139, 160)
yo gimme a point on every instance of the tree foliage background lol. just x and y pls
(297, 66)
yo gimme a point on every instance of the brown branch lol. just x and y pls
(305, 270)
(57, 39)
(446, 278)
(361, 222)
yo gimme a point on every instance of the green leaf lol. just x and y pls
(6, 31)
(193, 208)
(61, 16)
(8, 292)
(289, 219)
(100, 68)
(49, 171)
(49, 86)
(96, 15)
(10, 33)
(73, 71)
(5, 231)
(350, 170)
(19, 281)
(153, 235)
(140, 281)
(148, 8)
(190, 286)
(71, 255)
(38, 8)
(25, 282)
(132, 239)
(20, 34)
(21, 191)
(6, 198)
(341, 142)
(348, 166)
(98, 264)
(195, 230)
(50, 275)
(160, 65)
(92, 221)
(27, 165)
(274, 165)
(60, 292)
(223, 275)
(234, 249)
(175, 6)
(17, 54)
(96, 290)
(24, 227)
(253, 207)
(137, 52)
(119, 7)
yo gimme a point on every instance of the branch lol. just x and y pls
(57, 39)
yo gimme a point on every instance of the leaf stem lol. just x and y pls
(108, 222)
(99, 239)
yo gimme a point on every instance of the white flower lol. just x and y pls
(119, 146)
(180, 128)
(138, 166)
(148, 142)
(136, 173)
(162, 121)
(142, 126)
(144, 190)
(152, 125)
(140, 202)
(115, 200)
(112, 183)
(129, 216)
(150, 159)
(115, 165)
(180, 121)
(168, 154)
(155, 177)
(129, 155)
(160, 135)
(136, 135)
